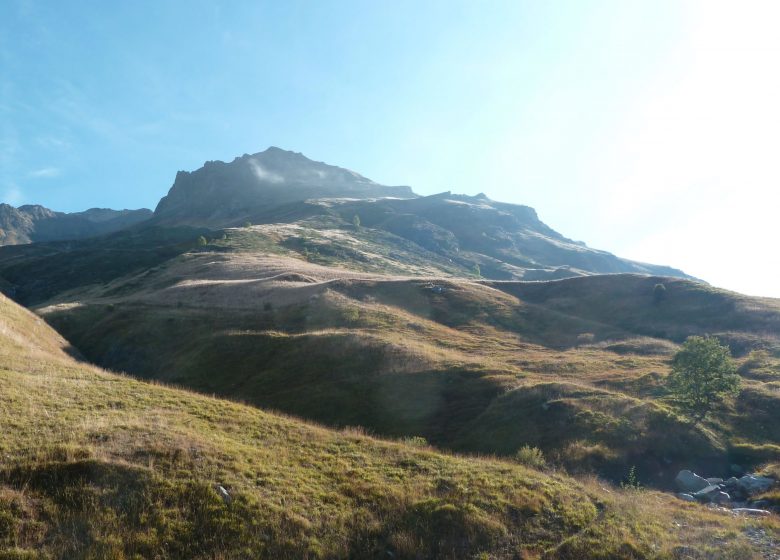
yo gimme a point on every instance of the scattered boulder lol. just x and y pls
(688, 482)
(734, 493)
(710, 494)
(721, 498)
(752, 484)
(224, 494)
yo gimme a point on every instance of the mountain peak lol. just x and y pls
(222, 193)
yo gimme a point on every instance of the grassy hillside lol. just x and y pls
(575, 367)
(628, 302)
(96, 465)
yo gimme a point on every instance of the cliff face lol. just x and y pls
(31, 223)
(220, 194)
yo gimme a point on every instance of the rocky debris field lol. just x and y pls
(742, 495)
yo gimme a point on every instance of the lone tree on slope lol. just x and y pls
(703, 374)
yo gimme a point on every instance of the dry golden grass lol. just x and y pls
(463, 365)
(96, 465)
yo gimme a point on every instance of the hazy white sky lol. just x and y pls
(646, 128)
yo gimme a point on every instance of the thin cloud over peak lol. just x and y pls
(45, 173)
(12, 195)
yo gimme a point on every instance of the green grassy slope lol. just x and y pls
(96, 465)
(471, 366)
(627, 302)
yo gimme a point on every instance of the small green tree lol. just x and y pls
(703, 374)
(632, 480)
(356, 221)
(202, 241)
(477, 271)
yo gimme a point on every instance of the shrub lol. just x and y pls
(416, 441)
(202, 241)
(530, 457)
(586, 338)
(351, 314)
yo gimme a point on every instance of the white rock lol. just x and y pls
(224, 494)
(752, 512)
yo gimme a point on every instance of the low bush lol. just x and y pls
(530, 457)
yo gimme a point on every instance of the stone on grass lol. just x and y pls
(752, 484)
(688, 481)
(721, 498)
(708, 494)
(752, 512)
(224, 494)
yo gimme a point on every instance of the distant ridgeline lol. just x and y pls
(32, 223)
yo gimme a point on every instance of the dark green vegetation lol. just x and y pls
(36, 272)
(96, 465)
(703, 375)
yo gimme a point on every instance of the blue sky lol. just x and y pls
(647, 128)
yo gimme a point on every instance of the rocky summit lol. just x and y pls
(222, 194)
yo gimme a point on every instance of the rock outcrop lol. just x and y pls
(220, 194)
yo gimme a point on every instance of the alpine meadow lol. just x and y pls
(286, 359)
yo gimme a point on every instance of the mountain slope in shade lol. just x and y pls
(34, 223)
(507, 241)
